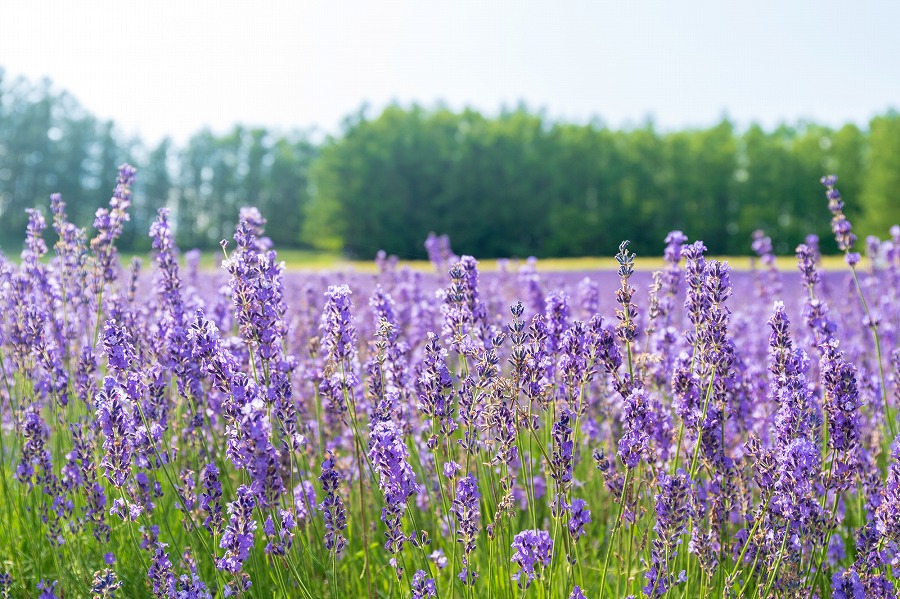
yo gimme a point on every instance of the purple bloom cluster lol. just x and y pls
(333, 508)
(115, 419)
(210, 498)
(105, 584)
(579, 517)
(635, 442)
(109, 223)
(840, 226)
(533, 550)
(672, 511)
(468, 520)
(237, 539)
(390, 459)
(422, 586)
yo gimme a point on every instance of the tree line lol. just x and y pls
(514, 184)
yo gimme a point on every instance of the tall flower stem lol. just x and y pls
(614, 532)
(873, 326)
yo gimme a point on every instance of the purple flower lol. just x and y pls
(797, 416)
(635, 441)
(577, 593)
(557, 306)
(579, 516)
(34, 272)
(211, 498)
(191, 587)
(887, 515)
(250, 234)
(170, 284)
(243, 585)
(815, 310)
(237, 540)
(304, 501)
(533, 549)
(434, 389)
(116, 424)
(464, 312)
(688, 401)
(390, 460)
(846, 585)
(105, 585)
(333, 506)
(338, 330)
(339, 334)
(173, 331)
(695, 275)
(466, 509)
(795, 496)
(109, 224)
(626, 329)
(422, 586)
(613, 480)
(281, 540)
(589, 297)
(573, 363)
(82, 457)
(674, 242)
(563, 453)
(119, 347)
(672, 511)
(257, 289)
(841, 399)
(160, 573)
(70, 249)
(806, 263)
(35, 464)
(840, 226)
(48, 589)
(248, 428)
(451, 468)
(439, 252)
(535, 360)
(762, 246)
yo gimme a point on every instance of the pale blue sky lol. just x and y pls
(170, 67)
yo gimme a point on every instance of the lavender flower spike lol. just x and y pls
(422, 586)
(840, 226)
(390, 459)
(468, 517)
(534, 549)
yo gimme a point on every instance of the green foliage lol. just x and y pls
(517, 184)
(48, 143)
(881, 193)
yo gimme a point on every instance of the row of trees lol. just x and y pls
(512, 185)
(49, 143)
(519, 184)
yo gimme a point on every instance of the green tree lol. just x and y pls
(881, 190)
(287, 188)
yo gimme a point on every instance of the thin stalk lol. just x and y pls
(615, 530)
(874, 328)
(774, 574)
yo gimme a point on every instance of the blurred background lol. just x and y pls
(517, 128)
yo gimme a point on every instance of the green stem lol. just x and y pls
(613, 536)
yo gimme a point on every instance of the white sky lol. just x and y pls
(170, 67)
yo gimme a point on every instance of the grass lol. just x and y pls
(311, 260)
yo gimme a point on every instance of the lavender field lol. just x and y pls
(249, 431)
